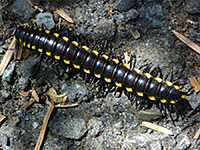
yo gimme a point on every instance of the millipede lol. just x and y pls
(111, 71)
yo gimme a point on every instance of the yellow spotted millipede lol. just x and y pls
(110, 71)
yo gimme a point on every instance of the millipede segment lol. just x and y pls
(91, 62)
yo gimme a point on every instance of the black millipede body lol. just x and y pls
(100, 66)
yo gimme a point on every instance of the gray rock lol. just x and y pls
(152, 17)
(23, 9)
(125, 5)
(35, 125)
(118, 125)
(128, 116)
(192, 6)
(4, 95)
(95, 127)
(184, 143)
(46, 20)
(8, 73)
(156, 145)
(149, 115)
(23, 83)
(29, 67)
(68, 127)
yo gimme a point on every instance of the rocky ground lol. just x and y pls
(141, 27)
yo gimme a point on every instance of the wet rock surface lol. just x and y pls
(99, 123)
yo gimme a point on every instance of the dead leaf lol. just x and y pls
(55, 97)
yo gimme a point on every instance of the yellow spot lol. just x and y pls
(163, 101)
(47, 31)
(85, 48)
(105, 56)
(158, 79)
(147, 75)
(35, 28)
(118, 84)
(129, 89)
(48, 53)
(115, 60)
(152, 98)
(169, 83)
(33, 47)
(66, 61)
(20, 40)
(97, 75)
(183, 96)
(30, 27)
(25, 27)
(65, 38)
(137, 70)
(24, 43)
(172, 101)
(75, 43)
(40, 50)
(107, 79)
(76, 66)
(57, 57)
(140, 94)
(28, 45)
(177, 87)
(86, 71)
(125, 65)
(56, 34)
(95, 52)
(40, 29)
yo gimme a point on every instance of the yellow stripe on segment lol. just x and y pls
(125, 65)
(76, 66)
(25, 27)
(48, 53)
(40, 29)
(47, 31)
(140, 94)
(20, 40)
(118, 84)
(183, 96)
(172, 101)
(148, 75)
(86, 71)
(129, 89)
(152, 98)
(177, 87)
(158, 79)
(107, 79)
(35, 28)
(137, 70)
(97, 75)
(40, 50)
(57, 57)
(85, 48)
(33, 47)
(24, 43)
(75, 43)
(65, 38)
(163, 101)
(30, 27)
(115, 60)
(66, 61)
(28, 45)
(56, 34)
(95, 52)
(169, 83)
(105, 56)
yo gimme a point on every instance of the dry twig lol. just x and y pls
(187, 41)
(65, 16)
(195, 84)
(197, 135)
(44, 126)
(7, 57)
(156, 127)
(2, 119)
